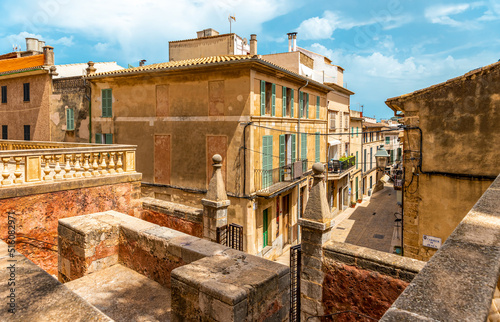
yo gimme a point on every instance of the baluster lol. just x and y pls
(86, 165)
(47, 169)
(111, 164)
(58, 169)
(18, 171)
(78, 168)
(95, 165)
(67, 168)
(5, 172)
(119, 164)
(104, 170)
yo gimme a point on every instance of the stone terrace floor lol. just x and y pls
(124, 295)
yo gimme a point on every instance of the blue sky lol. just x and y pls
(387, 47)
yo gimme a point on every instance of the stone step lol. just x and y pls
(124, 295)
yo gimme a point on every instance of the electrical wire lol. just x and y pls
(327, 134)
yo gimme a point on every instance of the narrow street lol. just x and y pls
(371, 223)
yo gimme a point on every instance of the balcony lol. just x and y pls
(268, 182)
(339, 168)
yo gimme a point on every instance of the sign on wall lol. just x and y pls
(432, 242)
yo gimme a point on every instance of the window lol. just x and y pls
(317, 147)
(357, 160)
(104, 138)
(26, 91)
(107, 103)
(70, 119)
(352, 131)
(265, 228)
(5, 132)
(340, 119)
(267, 98)
(371, 159)
(317, 107)
(364, 161)
(307, 105)
(303, 150)
(287, 102)
(27, 133)
(332, 120)
(301, 104)
(357, 131)
(267, 160)
(4, 94)
(387, 140)
(346, 121)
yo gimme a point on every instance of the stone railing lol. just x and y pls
(44, 162)
(459, 283)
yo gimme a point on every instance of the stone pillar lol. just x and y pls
(316, 225)
(215, 202)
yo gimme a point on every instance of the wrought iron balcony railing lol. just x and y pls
(265, 178)
(337, 166)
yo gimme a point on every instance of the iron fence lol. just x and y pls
(295, 267)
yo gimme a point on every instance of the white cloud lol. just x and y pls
(324, 27)
(65, 41)
(20, 39)
(442, 14)
(139, 27)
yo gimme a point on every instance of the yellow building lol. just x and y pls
(451, 153)
(373, 139)
(267, 123)
(356, 150)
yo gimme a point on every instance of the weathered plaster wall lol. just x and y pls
(37, 216)
(206, 47)
(69, 93)
(363, 280)
(16, 113)
(459, 121)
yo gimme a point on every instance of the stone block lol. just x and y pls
(313, 250)
(310, 307)
(311, 274)
(311, 289)
(312, 262)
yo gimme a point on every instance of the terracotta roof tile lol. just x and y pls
(22, 63)
(175, 64)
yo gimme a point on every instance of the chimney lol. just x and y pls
(294, 42)
(31, 44)
(48, 52)
(253, 44)
(141, 62)
(289, 41)
(41, 44)
(91, 69)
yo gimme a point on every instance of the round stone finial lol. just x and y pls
(318, 168)
(217, 158)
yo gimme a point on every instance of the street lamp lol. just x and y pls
(382, 158)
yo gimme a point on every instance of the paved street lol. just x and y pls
(371, 223)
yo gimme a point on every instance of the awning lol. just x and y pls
(332, 141)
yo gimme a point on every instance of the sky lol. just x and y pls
(387, 47)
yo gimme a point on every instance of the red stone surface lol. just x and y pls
(179, 224)
(37, 216)
(350, 288)
(133, 256)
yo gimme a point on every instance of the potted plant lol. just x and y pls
(360, 200)
(353, 204)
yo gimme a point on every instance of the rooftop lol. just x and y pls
(21, 64)
(71, 70)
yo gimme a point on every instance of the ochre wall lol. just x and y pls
(206, 47)
(16, 113)
(37, 216)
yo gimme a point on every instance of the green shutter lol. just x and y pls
(273, 100)
(108, 138)
(303, 146)
(264, 228)
(317, 147)
(357, 160)
(291, 103)
(282, 156)
(262, 97)
(307, 105)
(352, 131)
(294, 146)
(267, 160)
(284, 102)
(98, 138)
(107, 103)
(301, 104)
(357, 131)
(70, 120)
(317, 107)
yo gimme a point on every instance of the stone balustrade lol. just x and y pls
(45, 162)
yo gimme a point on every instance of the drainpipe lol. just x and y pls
(299, 237)
(245, 159)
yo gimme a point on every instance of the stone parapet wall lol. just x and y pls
(209, 281)
(458, 283)
(363, 280)
(38, 208)
(180, 217)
